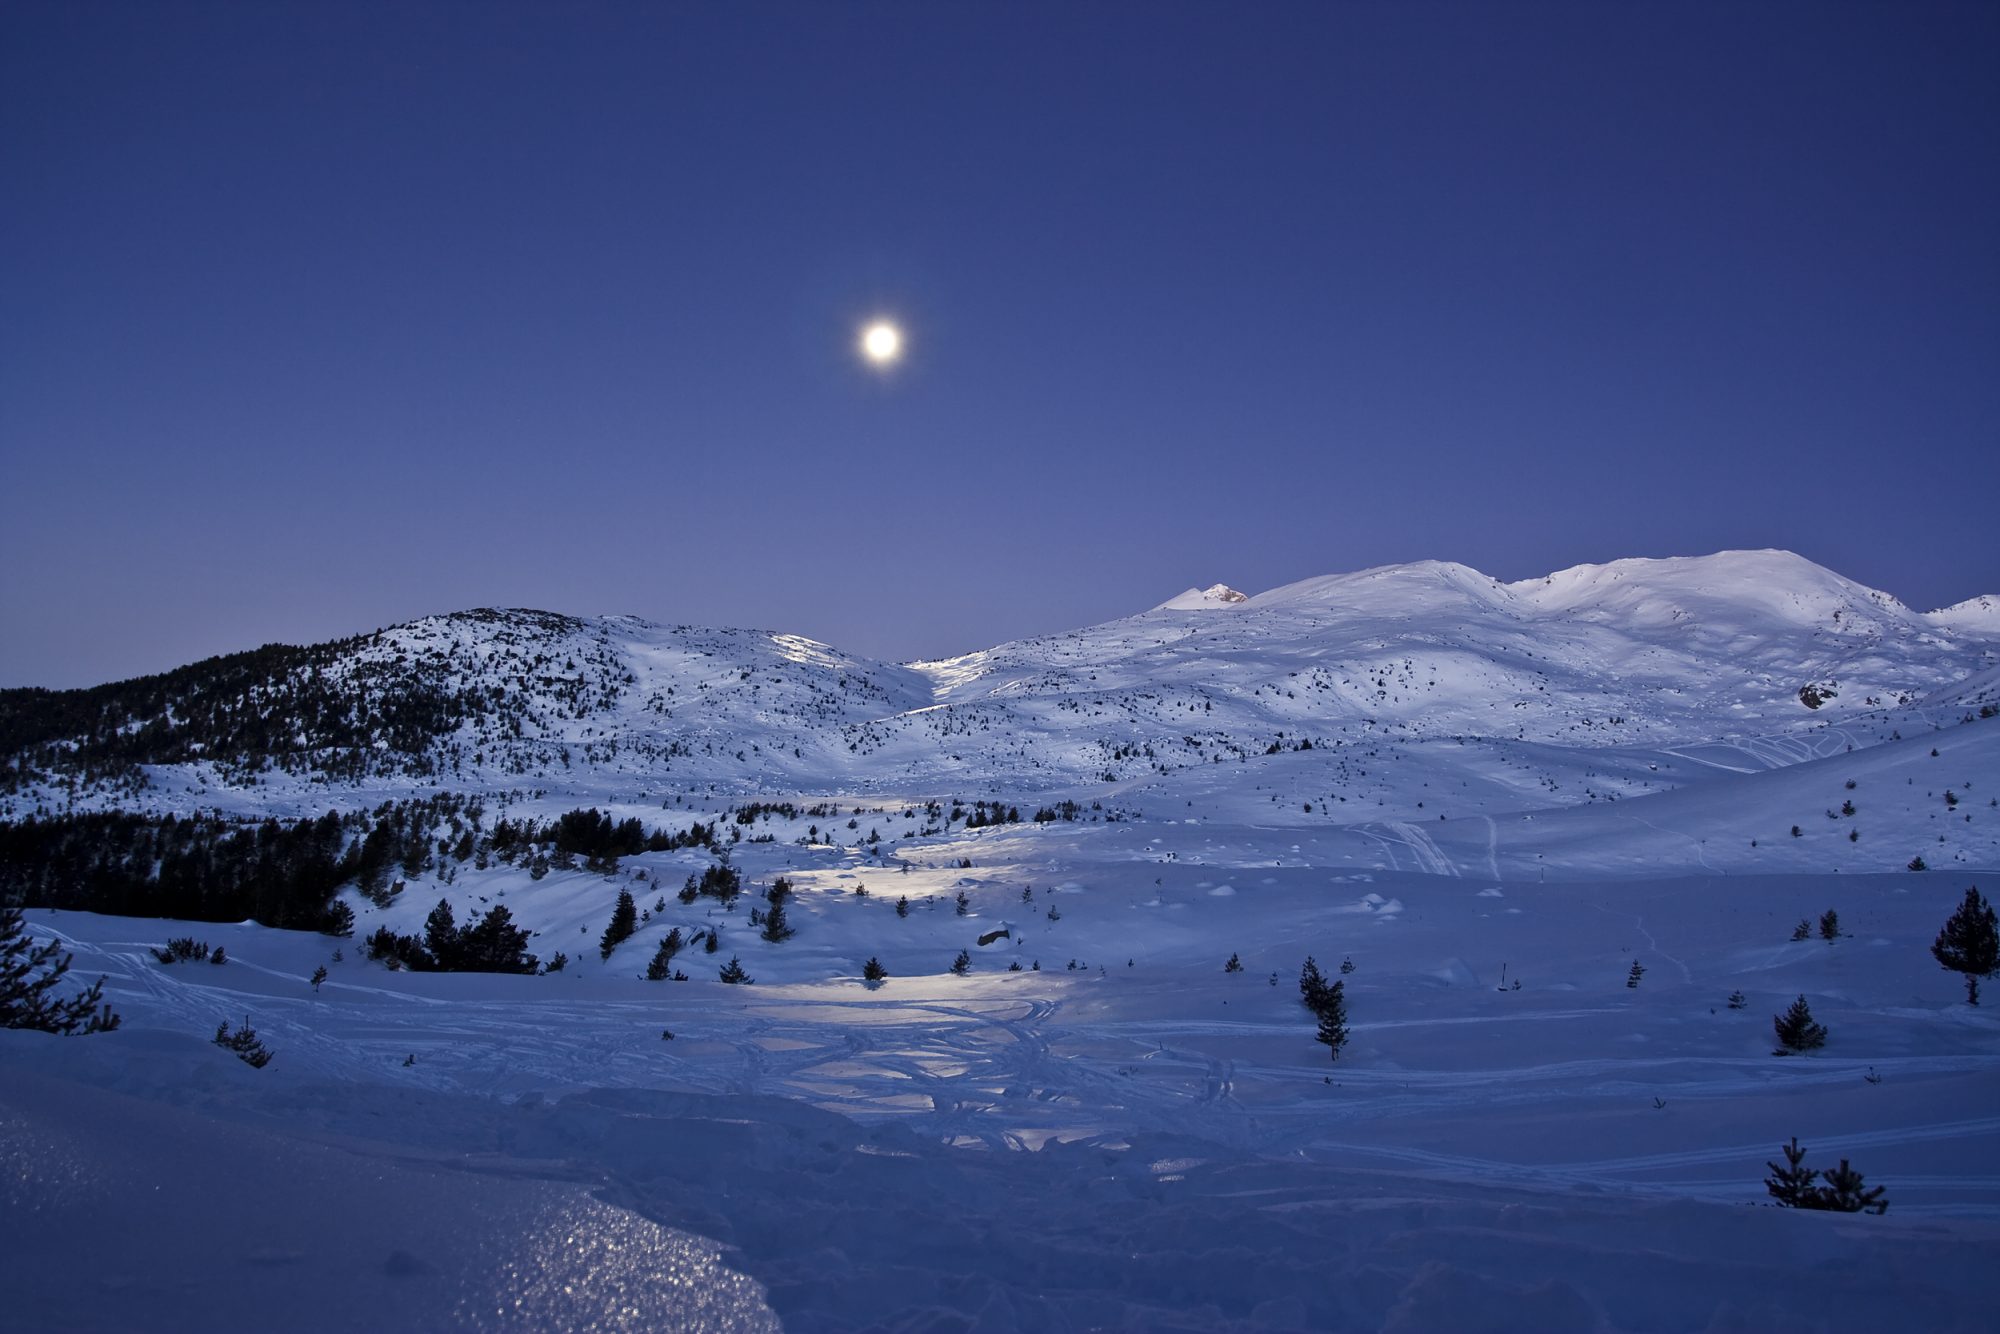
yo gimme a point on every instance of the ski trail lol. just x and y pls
(1492, 847)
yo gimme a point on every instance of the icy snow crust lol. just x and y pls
(1555, 778)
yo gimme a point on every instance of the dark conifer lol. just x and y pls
(624, 921)
(1797, 1030)
(28, 972)
(1969, 943)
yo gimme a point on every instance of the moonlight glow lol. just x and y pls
(882, 343)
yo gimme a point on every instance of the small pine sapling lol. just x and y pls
(732, 973)
(319, 976)
(1632, 978)
(903, 906)
(873, 971)
(244, 1043)
(962, 964)
(1796, 1186)
(1347, 965)
(1234, 965)
(1803, 931)
(1737, 1001)
(1829, 925)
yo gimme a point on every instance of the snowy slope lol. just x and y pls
(1494, 800)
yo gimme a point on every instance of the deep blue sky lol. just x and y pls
(316, 318)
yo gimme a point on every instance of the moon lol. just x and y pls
(882, 343)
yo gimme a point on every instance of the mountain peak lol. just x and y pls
(1204, 599)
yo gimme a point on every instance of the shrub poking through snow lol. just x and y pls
(244, 1042)
(1796, 1186)
(182, 949)
(1797, 1030)
(1969, 943)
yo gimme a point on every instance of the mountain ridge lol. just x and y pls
(1638, 653)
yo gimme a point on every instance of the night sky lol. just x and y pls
(314, 318)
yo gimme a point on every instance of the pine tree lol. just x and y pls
(662, 966)
(1803, 931)
(903, 906)
(338, 919)
(873, 971)
(1796, 1029)
(244, 1042)
(1791, 1185)
(319, 976)
(776, 928)
(1333, 1019)
(732, 972)
(1234, 965)
(1843, 1193)
(28, 972)
(1969, 943)
(962, 964)
(441, 936)
(1638, 971)
(624, 921)
(1312, 986)
(1829, 925)
(1795, 1186)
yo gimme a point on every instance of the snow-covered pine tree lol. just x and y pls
(1969, 943)
(29, 972)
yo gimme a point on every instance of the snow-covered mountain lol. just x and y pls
(1645, 654)
(1048, 900)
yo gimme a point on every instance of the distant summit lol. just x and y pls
(1204, 599)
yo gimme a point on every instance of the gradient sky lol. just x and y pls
(314, 318)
